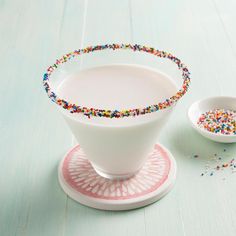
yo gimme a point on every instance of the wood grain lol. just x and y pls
(34, 137)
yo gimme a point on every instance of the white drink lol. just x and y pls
(117, 148)
(116, 87)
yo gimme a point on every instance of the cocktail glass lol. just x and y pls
(116, 142)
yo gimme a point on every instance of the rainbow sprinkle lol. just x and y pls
(221, 166)
(88, 111)
(219, 121)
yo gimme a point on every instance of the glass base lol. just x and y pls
(113, 176)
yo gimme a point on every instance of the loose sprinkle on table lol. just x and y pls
(220, 121)
(218, 166)
(215, 166)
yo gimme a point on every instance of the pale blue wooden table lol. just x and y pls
(34, 137)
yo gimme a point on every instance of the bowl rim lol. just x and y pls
(89, 111)
(203, 130)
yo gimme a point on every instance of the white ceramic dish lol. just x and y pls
(202, 106)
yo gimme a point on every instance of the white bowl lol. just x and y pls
(202, 106)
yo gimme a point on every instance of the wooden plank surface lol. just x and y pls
(34, 137)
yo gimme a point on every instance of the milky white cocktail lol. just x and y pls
(115, 112)
(116, 148)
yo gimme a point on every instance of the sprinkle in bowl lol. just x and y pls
(215, 118)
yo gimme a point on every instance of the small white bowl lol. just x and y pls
(202, 106)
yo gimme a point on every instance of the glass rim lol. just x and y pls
(96, 112)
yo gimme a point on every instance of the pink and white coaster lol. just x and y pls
(80, 181)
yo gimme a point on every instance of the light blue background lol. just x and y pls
(34, 137)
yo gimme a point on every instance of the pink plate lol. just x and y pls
(80, 181)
